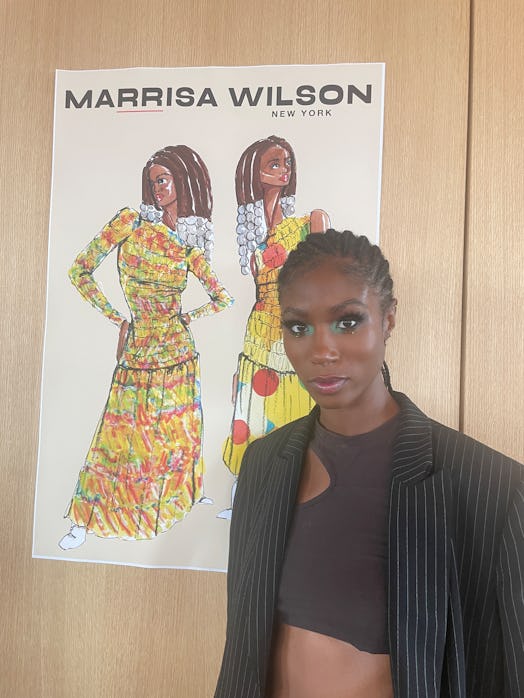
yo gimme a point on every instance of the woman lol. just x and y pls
(374, 552)
(144, 469)
(266, 392)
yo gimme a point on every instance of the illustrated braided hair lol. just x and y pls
(191, 178)
(194, 196)
(247, 178)
(362, 259)
(251, 222)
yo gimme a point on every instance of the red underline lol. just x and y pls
(135, 111)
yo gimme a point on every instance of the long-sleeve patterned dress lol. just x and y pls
(269, 393)
(144, 468)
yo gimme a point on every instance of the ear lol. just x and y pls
(389, 319)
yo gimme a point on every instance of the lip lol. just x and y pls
(284, 178)
(327, 385)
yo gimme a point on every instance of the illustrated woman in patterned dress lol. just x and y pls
(266, 391)
(144, 469)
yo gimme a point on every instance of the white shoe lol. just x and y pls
(205, 500)
(74, 539)
(226, 513)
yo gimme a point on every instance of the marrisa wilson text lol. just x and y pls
(269, 96)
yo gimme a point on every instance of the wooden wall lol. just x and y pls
(493, 321)
(451, 223)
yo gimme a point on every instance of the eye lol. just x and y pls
(289, 163)
(348, 324)
(297, 329)
(274, 165)
(161, 180)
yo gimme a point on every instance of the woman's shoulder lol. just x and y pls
(480, 475)
(462, 455)
(289, 437)
(283, 445)
(124, 217)
(290, 231)
(459, 448)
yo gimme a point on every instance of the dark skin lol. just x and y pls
(276, 166)
(335, 330)
(122, 336)
(334, 333)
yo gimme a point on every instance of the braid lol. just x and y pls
(386, 376)
(364, 260)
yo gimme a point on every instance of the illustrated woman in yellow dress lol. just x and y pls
(266, 391)
(144, 468)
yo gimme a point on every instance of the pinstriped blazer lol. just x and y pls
(456, 561)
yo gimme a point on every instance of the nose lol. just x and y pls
(324, 348)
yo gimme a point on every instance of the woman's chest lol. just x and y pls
(150, 254)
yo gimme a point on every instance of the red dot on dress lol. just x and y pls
(240, 432)
(274, 256)
(265, 382)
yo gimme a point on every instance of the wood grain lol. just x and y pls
(96, 630)
(493, 373)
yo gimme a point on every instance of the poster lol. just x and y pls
(157, 260)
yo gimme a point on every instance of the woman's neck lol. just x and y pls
(272, 208)
(170, 215)
(365, 415)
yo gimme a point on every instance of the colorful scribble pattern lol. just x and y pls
(144, 469)
(268, 394)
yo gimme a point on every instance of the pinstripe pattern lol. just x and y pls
(456, 558)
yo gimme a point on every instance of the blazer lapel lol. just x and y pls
(418, 558)
(267, 540)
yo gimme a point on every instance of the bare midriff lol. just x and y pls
(305, 664)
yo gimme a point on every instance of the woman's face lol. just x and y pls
(275, 167)
(162, 185)
(334, 335)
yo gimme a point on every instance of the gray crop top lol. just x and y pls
(333, 579)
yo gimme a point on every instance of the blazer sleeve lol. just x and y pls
(510, 592)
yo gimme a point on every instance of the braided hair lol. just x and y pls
(191, 177)
(361, 258)
(194, 198)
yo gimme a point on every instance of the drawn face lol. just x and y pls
(275, 167)
(162, 185)
(334, 331)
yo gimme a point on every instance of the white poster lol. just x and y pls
(177, 194)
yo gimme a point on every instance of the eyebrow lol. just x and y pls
(290, 310)
(350, 301)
